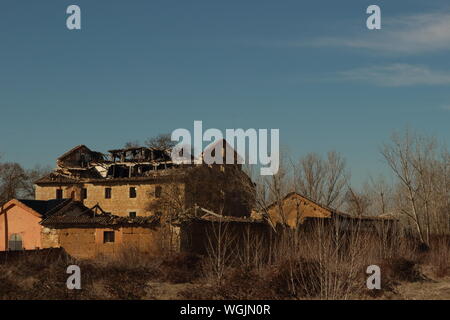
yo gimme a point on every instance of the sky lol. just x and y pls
(138, 68)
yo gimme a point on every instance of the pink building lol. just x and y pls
(20, 227)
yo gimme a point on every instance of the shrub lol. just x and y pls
(402, 269)
(297, 278)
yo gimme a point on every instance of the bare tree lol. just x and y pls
(357, 203)
(271, 190)
(221, 250)
(322, 180)
(169, 206)
(132, 144)
(17, 182)
(161, 141)
(422, 174)
(381, 195)
(12, 181)
(32, 175)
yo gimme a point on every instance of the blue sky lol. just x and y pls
(139, 68)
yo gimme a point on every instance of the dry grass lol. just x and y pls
(439, 256)
(299, 265)
(324, 263)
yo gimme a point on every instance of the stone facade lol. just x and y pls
(118, 202)
(89, 243)
(125, 182)
(49, 238)
(138, 197)
(294, 209)
(130, 182)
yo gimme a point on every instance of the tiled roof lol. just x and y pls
(332, 210)
(75, 214)
(42, 206)
(56, 177)
(226, 219)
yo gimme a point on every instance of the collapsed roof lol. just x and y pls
(81, 163)
(137, 163)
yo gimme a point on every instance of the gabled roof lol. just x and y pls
(43, 206)
(38, 208)
(53, 177)
(226, 148)
(293, 193)
(81, 146)
(332, 210)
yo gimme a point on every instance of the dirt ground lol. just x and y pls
(432, 289)
(166, 291)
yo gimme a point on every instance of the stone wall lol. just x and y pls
(120, 202)
(295, 210)
(49, 238)
(79, 243)
(88, 243)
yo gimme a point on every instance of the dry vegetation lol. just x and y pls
(297, 266)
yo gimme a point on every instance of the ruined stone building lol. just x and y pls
(139, 182)
(134, 197)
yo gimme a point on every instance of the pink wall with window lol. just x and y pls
(20, 223)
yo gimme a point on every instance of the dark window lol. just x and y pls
(107, 193)
(15, 242)
(59, 193)
(83, 193)
(82, 160)
(158, 191)
(108, 236)
(132, 192)
(132, 214)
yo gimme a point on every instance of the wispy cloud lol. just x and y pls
(446, 107)
(397, 75)
(412, 34)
